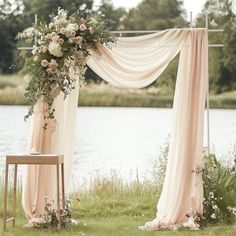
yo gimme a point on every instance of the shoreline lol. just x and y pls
(12, 89)
(121, 101)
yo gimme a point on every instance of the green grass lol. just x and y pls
(112, 226)
(12, 93)
(12, 90)
(110, 207)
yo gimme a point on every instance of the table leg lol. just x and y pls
(58, 197)
(14, 195)
(63, 185)
(5, 199)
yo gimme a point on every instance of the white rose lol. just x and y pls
(70, 40)
(36, 58)
(54, 48)
(55, 38)
(50, 25)
(72, 27)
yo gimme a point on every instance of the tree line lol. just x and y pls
(148, 15)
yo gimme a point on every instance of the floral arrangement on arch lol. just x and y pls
(64, 44)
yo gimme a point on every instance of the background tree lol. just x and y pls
(155, 15)
(222, 61)
(44, 8)
(112, 14)
(10, 24)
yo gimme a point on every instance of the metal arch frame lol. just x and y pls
(121, 32)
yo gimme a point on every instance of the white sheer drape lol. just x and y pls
(136, 62)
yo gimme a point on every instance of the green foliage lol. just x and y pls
(10, 24)
(112, 14)
(222, 61)
(219, 187)
(155, 15)
(219, 191)
(44, 8)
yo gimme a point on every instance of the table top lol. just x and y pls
(39, 159)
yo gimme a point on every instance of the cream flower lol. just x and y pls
(72, 27)
(82, 27)
(91, 29)
(63, 30)
(54, 48)
(48, 37)
(36, 58)
(213, 216)
(61, 41)
(44, 49)
(49, 70)
(44, 63)
(50, 26)
(78, 39)
(72, 34)
(55, 38)
(53, 64)
(70, 40)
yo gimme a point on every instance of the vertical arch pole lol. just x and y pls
(207, 99)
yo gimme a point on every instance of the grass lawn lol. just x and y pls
(111, 226)
(110, 207)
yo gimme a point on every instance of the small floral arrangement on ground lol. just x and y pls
(63, 44)
(51, 217)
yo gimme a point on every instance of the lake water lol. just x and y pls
(125, 140)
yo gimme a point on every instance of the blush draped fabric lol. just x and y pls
(40, 180)
(136, 62)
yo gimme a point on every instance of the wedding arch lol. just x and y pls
(136, 62)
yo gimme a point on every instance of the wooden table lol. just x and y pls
(41, 159)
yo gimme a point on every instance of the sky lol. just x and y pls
(190, 5)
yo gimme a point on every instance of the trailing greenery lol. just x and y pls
(222, 61)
